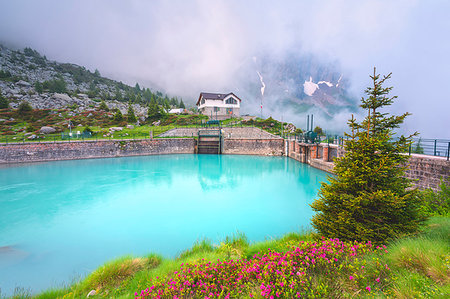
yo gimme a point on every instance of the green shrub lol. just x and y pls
(88, 130)
(103, 106)
(30, 128)
(437, 203)
(369, 199)
(24, 107)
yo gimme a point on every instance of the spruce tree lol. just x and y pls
(369, 199)
(130, 114)
(153, 111)
(118, 117)
(103, 106)
(182, 104)
(3, 101)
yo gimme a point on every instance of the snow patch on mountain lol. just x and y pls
(310, 87)
(326, 82)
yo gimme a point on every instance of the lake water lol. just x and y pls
(61, 220)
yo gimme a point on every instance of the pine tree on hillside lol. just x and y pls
(130, 114)
(4, 103)
(118, 117)
(103, 106)
(182, 104)
(166, 105)
(153, 111)
(369, 199)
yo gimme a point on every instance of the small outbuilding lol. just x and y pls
(177, 111)
(219, 105)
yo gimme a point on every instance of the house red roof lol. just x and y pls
(215, 96)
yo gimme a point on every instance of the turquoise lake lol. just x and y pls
(61, 220)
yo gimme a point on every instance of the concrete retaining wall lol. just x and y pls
(49, 151)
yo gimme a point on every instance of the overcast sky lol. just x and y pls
(184, 47)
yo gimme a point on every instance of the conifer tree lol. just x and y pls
(153, 111)
(103, 106)
(130, 114)
(182, 104)
(369, 198)
(118, 117)
(3, 101)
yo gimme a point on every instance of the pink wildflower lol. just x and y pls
(368, 288)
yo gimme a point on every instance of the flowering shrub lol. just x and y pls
(309, 269)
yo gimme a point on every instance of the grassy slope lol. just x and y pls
(419, 265)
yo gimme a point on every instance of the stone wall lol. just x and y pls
(425, 171)
(49, 151)
(232, 132)
(266, 147)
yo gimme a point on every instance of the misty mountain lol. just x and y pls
(26, 75)
(296, 84)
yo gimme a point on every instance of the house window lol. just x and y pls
(216, 109)
(202, 102)
(229, 110)
(231, 101)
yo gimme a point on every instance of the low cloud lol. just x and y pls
(184, 47)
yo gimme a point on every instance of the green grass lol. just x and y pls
(419, 265)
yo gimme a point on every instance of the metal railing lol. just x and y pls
(431, 147)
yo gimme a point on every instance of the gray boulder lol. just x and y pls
(23, 83)
(47, 130)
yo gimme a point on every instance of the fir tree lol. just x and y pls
(3, 101)
(153, 111)
(38, 87)
(130, 114)
(118, 95)
(166, 105)
(137, 88)
(369, 199)
(118, 117)
(103, 106)
(418, 149)
(182, 104)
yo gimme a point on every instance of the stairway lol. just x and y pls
(209, 141)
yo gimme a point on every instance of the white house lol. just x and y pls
(177, 111)
(219, 105)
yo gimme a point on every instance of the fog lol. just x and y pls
(185, 47)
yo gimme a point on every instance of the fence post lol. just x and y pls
(448, 151)
(435, 147)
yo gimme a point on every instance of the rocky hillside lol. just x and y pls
(26, 75)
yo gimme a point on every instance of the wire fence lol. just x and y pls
(431, 147)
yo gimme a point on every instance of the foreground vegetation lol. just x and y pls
(297, 264)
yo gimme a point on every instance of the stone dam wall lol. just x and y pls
(264, 147)
(49, 151)
(55, 151)
(228, 133)
(425, 171)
